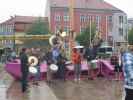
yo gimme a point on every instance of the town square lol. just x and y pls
(66, 50)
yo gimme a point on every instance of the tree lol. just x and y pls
(39, 27)
(84, 37)
(130, 37)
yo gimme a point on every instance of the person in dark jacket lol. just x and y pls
(48, 58)
(24, 69)
(61, 65)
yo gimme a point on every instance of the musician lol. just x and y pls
(55, 54)
(61, 65)
(49, 59)
(24, 69)
(36, 78)
(37, 75)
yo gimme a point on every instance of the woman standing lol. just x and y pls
(76, 60)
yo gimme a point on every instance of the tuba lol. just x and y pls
(55, 40)
(33, 61)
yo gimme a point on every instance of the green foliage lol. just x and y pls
(84, 37)
(39, 27)
(130, 37)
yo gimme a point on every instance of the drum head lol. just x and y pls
(34, 60)
(54, 67)
(94, 64)
(32, 70)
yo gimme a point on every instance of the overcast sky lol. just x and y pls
(37, 7)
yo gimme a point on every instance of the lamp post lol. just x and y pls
(14, 46)
(90, 29)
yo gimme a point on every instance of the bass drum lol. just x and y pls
(33, 60)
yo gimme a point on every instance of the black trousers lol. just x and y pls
(129, 94)
(24, 82)
(61, 71)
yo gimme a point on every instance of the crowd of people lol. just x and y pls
(122, 62)
(53, 56)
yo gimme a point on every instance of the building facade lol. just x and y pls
(17, 25)
(21, 24)
(110, 21)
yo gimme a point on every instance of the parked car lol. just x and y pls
(105, 50)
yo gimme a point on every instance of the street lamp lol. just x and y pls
(14, 46)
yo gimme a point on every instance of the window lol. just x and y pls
(66, 17)
(82, 29)
(120, 19)
(110, 23)
(98, 18)
(121, 31)
(57, 28)
(57, 18)
(125, 20)
(87, 18)
(10, 28)
(82, 18)
(110, 19)
(66, 29)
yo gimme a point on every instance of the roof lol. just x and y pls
(130, 19)
(90, 4)
(24, 19)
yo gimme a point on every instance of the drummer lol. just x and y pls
(49, 59)
(61, 65)
(35, 79)
(90, 55)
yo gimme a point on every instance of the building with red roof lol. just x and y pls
(110, 21)
(17, 25)
(20, 24)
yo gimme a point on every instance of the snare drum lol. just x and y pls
(33, 70)
(94, 64)
(53, 68)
